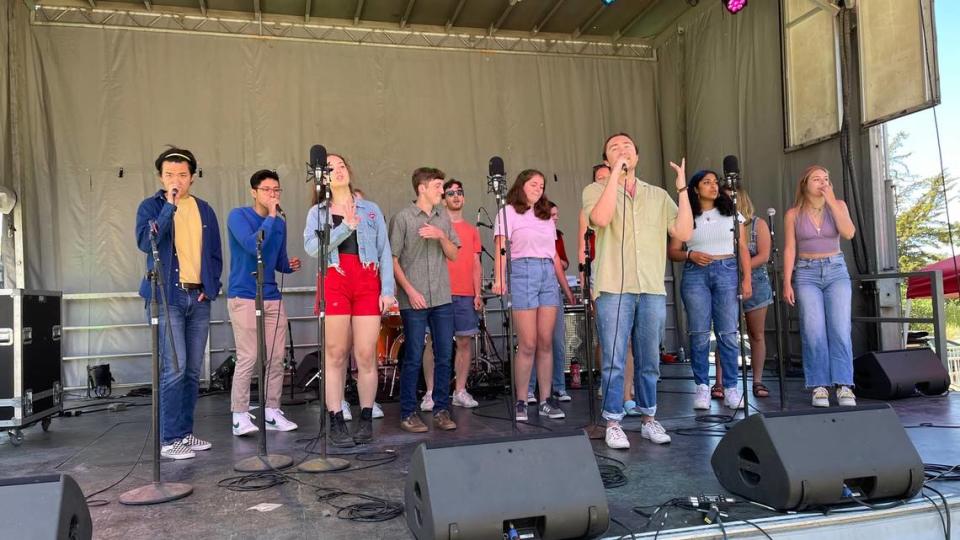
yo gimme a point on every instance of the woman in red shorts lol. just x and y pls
(359, 287)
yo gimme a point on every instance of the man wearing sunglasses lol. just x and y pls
(465, 274)
(261, 223)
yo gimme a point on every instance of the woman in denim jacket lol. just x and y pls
(359, 287)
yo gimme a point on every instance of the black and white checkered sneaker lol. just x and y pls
(194, 443)
(177, 450)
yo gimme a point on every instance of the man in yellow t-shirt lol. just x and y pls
(631, 218)
(187, 235)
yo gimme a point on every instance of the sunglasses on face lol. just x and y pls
(454, 193)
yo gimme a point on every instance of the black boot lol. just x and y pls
(338, 432)
(364, 432)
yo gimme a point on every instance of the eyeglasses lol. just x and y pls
(454, 193)
(275, 191)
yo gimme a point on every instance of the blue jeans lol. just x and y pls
(559, 383)
(823, 292)
(644, 316)
(710, 295)
(190, 325)
(415, 321)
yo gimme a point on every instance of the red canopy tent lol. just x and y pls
(920, 287)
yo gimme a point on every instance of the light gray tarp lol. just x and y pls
(79, 103)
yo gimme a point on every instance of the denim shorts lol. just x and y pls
(464, 316)
(762, 292)
(533, 283)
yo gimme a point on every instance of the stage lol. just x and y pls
(98, 448)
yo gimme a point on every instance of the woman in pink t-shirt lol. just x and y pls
(536, 276)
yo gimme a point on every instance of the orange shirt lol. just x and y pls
(461, 269)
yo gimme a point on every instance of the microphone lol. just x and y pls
(496, 174)
(623, 168)
(174, 192)
(770, 213)
(281, 213)
(731, 172)
(318, 162)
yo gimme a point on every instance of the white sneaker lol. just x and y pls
(531, 399)
(463, 399)
(654, 432)
(276, 421)
(616, 438)
(820, 397)
(426, 404)
(242, 424)
(177, 450)
(845, 397)
(701, 401)
(732, 398)
(377, 411)
(195, 443)
(562, 396)
(345, 407)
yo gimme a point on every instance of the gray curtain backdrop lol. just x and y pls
(720, 93)
(82, 103)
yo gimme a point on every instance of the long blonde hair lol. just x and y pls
(800, 197)
(744, 205)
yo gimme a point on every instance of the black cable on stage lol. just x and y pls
(759, 528)
(611, 473)
(946, 508)
(943, 523)
(935, 472)
(630, 534)
(373, 510)
(475, 411)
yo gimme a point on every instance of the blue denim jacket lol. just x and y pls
(372, 239)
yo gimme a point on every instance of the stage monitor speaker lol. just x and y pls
(548, 483)
(899, 374)
(796, 460)
(44, 508)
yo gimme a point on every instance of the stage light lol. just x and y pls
(734, 6)
(607, 2)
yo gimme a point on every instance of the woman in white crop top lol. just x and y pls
(709, 285)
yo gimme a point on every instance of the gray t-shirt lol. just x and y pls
(422, 259)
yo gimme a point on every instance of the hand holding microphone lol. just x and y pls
(173, 195)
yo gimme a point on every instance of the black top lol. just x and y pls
(349, 245)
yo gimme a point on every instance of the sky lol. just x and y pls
(922, 143)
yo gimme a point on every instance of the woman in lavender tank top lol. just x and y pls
(815, 276)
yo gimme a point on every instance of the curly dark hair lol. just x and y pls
(723, 203)
(518, 200)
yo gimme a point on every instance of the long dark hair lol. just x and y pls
(518, 200)
(317, 198)
(723, 203)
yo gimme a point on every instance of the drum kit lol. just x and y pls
(486, 368)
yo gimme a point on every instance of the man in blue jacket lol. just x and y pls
(188, 242)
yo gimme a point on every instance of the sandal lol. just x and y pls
(716, 392)
(760, 390)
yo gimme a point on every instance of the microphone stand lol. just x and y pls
(291, 362)
(733, 181)
(263, 461)
(595, 430)
(496, 186)
(781, 361)
(324, 195)
(157, 491)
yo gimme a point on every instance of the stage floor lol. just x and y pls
(98, 448)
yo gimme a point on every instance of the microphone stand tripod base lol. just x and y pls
(323, 464)
(269, 462)
(156, 493)
(596, 432)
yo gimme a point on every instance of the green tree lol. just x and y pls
(922, 229)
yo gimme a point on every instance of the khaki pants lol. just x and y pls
(244, 319)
